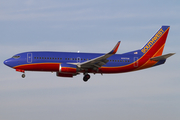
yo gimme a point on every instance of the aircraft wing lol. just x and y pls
(99, 61)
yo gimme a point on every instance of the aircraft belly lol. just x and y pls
(118, 69)
(39, 67)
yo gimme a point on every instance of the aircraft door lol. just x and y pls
(78, 59)
(29, 57)
(135, 61)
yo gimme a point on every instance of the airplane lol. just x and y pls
(69, 64)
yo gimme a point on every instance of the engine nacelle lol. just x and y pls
(64, 75)
(68, 68)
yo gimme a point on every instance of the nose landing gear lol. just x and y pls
(20, 70)
(23, 75)
(86, 77)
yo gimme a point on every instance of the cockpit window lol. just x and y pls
(16, 56)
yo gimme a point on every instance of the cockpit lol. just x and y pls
(16, 56)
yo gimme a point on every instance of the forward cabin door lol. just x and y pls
(29, 57)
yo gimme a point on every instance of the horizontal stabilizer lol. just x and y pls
(162, 57)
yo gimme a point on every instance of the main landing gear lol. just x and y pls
(86, 77)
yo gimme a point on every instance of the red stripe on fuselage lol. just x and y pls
(39, 67)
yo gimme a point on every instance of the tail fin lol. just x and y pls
(155, 45)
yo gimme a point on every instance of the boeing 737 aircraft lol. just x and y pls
(69, 64)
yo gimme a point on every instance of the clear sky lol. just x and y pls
(88, 26)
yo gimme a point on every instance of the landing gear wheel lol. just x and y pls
(23, 75)
(86, 77)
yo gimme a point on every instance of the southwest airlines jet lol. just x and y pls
(69, 64)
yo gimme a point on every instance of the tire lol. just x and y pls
(23, 75)
(86, 77)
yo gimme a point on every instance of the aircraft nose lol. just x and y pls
(7, 62)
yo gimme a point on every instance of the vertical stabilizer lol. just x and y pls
(155, 45)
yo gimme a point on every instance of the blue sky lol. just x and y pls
(88, 26)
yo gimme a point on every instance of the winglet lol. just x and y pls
(114, 50)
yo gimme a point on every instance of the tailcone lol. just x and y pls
(160, 62)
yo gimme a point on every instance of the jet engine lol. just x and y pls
(64, 75)
(67, 70)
